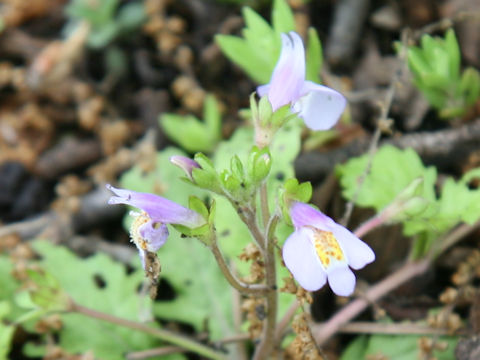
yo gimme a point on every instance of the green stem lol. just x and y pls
(165, 335)
(264, 204)
(251, 289)
(268, 339)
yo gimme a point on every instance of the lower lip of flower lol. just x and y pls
(135, 235)
(327, 248)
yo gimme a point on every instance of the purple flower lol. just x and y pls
(185, 163)
(319, 106)
(320, 249)
(149, 231)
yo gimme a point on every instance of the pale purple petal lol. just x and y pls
(154, 235)
(185, 163)
(341, 281)
(358, 253)
(305, 215)
(319, 106)
(158, 208)
(288, 76)
(262, 90)
(301, 259)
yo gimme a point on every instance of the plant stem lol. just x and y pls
(264, 204)
(251, 289)
(369, 225)
(268, 337)
(165, 335)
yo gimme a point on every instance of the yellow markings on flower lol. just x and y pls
(135, 235)
(327, 248)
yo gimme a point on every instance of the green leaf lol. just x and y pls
(102, 36)
(453, 53)
(249, 59)
(470, 85)
(116, 294)
(131, 16)
(195, 135)
(212, 117)
(392, 170)
(404, 347)
(314, 56)
(283, 20)
(6, 331)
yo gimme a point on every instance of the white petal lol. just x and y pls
(341, 281)
(320, 107)
(302, 261)
(358, 253)
(306, 215)
(288, 77)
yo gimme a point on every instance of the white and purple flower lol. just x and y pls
(148, 230)
(319, 106)
(320, 249)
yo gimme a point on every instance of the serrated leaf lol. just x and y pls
(392, 170)
(117, 296)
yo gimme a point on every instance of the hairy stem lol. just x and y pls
(268, 338)
(264, 204)
(165, 335)
(250, 289)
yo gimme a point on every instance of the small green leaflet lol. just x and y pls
(195, 134)
(258, 51)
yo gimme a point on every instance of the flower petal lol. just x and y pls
(288, 76)
(155, 237)
(263, 90)
(158, 208)
(319, 106)
(185, 163)
(300, 258)
(305, 215)
(341, 281)
(358, 253)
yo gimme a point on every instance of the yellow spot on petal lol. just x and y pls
(135, 235)
(327, 247)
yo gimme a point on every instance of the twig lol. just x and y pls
(165, 335)
(364, 327)
(405, 273)
(145, 354)
(446, 23)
